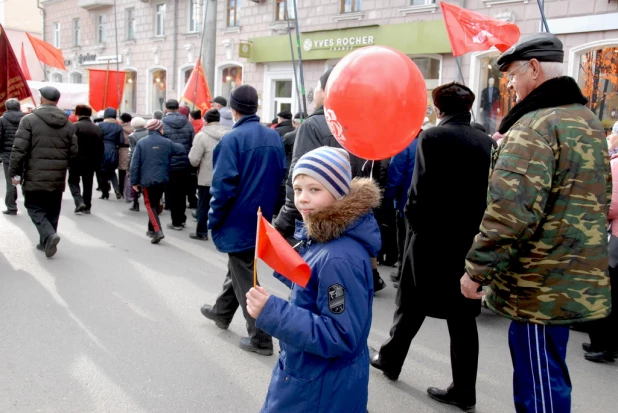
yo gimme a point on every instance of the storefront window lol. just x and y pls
(598, 80)
(282, 96)
(230, 78)
(158, 89)
(430, 68)
(494, 98)
(129, 99)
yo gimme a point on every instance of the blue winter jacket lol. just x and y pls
(113, 137)
(323, 366)
(152, 159)
(400, 173)
(248, 167)
(178, 129)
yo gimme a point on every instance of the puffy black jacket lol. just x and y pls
(178, 129)
(90, 142)
(43, 145)
(8, 126)
(284, 127)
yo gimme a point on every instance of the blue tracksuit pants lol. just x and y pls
(541, 382)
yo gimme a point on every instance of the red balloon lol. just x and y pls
(375, 102)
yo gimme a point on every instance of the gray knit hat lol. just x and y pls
(330, 167)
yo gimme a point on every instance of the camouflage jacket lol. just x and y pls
(542, 245)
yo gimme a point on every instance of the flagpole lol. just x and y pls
(457, 59)
(543, 19)
(287, 18)
(300, 60)
(257, 243)
(200, 56)
(117, 59)
(106, 85)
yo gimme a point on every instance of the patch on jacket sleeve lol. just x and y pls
(336, 298)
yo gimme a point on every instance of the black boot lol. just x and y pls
(378, 282)
(157, 237)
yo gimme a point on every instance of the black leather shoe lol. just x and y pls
(157, 237)
(119, 195)
(7, 212)
(51, 245)
(134, 209)
(600, 356)
(207, 312)
(394, 276)
(104, 196)
(374, 360)
(589, 349)
(378, 282)
(174, 227)
(40, 247)
(194, 214)
(246, 344)
(150, 234)
(443, 396)
(87, 211)
(198, 237)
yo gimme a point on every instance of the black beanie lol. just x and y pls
(244, 100)
(324, 78)
(212, 115)
(453, 98)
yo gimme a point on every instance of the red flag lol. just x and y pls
(275, 251)
(106, 88)
(24, 64)
(472, 32)
(196, 91)
(12, 80)
(47, 53)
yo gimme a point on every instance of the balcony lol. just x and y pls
(95, 4)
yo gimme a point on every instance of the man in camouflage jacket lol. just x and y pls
(542, 246)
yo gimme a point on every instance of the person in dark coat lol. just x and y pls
(150, 169)
(290, 137)
(44, 144)
(113, 138)
(177, 127)
(139, 132)
(284, 123)
(249, 163)
(88, 160)
(452, 160)
(8, 126)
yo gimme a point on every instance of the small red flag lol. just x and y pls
(275, 251)
(106, 88)
(24, 63)
(472, 32)
(12, 80)
(47, 53)
(196, 91)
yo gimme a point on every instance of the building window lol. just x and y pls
(349, 6)
(281, 14)
(598, 80)
(129, 95)
(230, 78)
(493, 105)
(160, 20)
(158, 89)
(56, 34)
(282, 96)
(232, 13)
(422, 2)
(76, 78)
(76, 33)
(101, 29)
(194, 16)
(56, 78)
(131, 24)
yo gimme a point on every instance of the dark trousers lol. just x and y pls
(108, 175)
(10, 199)
(87, 176)
(176, 194)
(541, 381)
(401, 236)
(192, 198)
(44, 210)
(121, 177)
(203, 205)
(238, 282)
(152, 201)
(604, 333)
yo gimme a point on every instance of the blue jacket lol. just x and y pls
(113, 137)
(178, 129)
(152, 159)
(248, 167)
(323, 366)
(400, 173)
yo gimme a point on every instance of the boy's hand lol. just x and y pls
(136, 188)
(256, 300)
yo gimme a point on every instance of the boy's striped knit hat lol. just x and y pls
(329, 166)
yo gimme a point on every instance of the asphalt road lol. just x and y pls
(112, 324)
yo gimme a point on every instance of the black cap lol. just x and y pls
(172, 104)
(544, 47)
(212, 115)
(244, 99)
(50, 93)
(300, 115)
(453, 98)
(285, 114)
(220, 100)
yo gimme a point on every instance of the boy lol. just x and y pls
(150, 170)
(323, 330)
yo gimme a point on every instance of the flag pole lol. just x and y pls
(106, 84)
(300, 60)
(457, 59)
(543, 18)
(199, 59)
(257, 243)
(287, 18)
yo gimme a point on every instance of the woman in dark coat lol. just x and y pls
(446, 204)
(113, 138)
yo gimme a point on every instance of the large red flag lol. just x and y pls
(196, 91)
(275, 251)
(105, 88)
(12, 80)
(472, 32)
(24, 64)
(47, 53)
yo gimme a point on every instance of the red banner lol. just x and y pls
(196, 93)
(12, 80)
(106, 89)
(472, 32)
(47, 53)
(24, 64)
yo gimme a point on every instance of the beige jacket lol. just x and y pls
(200, 155)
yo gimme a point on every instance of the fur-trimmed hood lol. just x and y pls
(351, 216)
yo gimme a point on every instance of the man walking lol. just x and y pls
(220, 103)
(88, 160)
(8, 126)
(284, 124)
(249, 163)
(43, 145)
(542, 246)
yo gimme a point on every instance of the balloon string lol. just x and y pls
(372, 163)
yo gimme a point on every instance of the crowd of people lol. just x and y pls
(530, 223)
